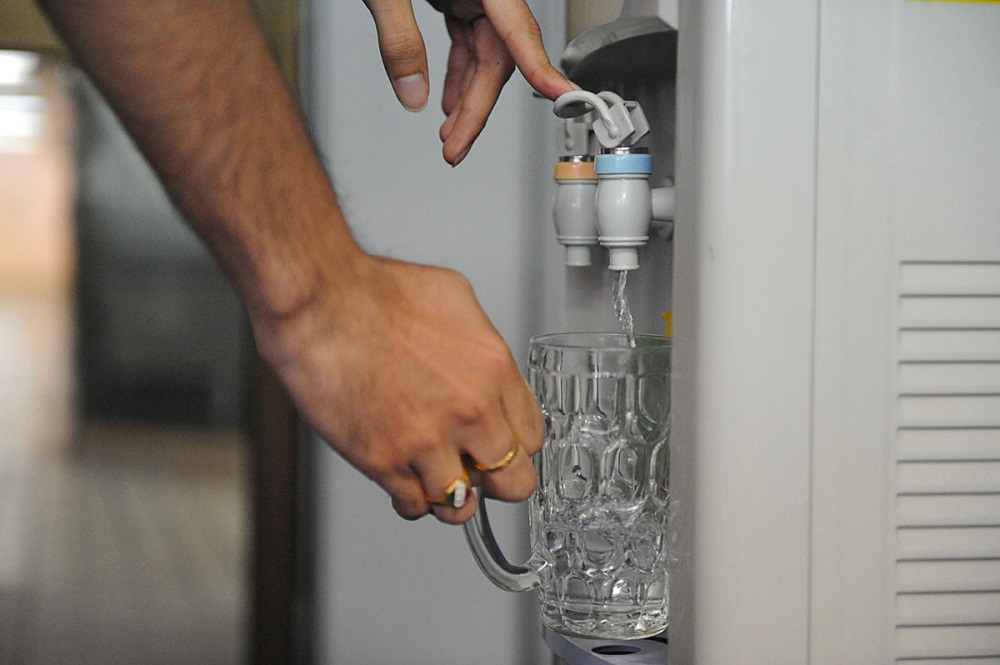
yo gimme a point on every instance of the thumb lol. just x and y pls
(402, 48)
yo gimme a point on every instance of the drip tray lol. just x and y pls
(581, 651)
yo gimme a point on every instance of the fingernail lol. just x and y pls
(411, 91)
(461, 157)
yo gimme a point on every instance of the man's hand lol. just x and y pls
(488, 37)
(403, 374)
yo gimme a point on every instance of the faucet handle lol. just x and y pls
(634, 116)
(640, 126)
(617, 121)
(576, 103)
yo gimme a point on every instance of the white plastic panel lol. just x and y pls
(923, 642)
(926, 544)
(955, 344)
(950, 278)
(746, 175)
(948, 461)
(950, 661)
(953, 608)
(909, 285)
(903, 279)
(938, 444)
(947, 511)
(949, 476)
(951, 410)
(969, 378)
(930, 311)
(948, 482)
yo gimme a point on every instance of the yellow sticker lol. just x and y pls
(668, 321)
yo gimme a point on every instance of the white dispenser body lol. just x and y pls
(837, 333)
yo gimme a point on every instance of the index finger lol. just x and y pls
(516, 25)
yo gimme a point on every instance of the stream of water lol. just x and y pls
(620, 300)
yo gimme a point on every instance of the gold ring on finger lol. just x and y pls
(502, 464)
(454, 496)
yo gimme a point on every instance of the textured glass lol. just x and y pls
(599, 517)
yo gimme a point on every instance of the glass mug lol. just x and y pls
(598, 519)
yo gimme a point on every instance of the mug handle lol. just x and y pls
(490, 558)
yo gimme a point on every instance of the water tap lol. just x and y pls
(575, 214)
(624, 204)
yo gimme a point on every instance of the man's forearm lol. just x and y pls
(196, 86)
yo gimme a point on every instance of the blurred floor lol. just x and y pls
(119, 543)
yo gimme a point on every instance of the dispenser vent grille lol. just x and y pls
(948, 464)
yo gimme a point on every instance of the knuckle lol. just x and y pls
(526, 485)
(458, 280)
(532, 445)
(470, 408)
(496, 357)
(381, 462)
(519, 490)
(402, 47)
(408, 450)
(409, 508)
(517, 486)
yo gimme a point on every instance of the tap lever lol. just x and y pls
(617, 121)
(636, 118)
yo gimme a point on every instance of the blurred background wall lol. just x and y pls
(124, 485)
